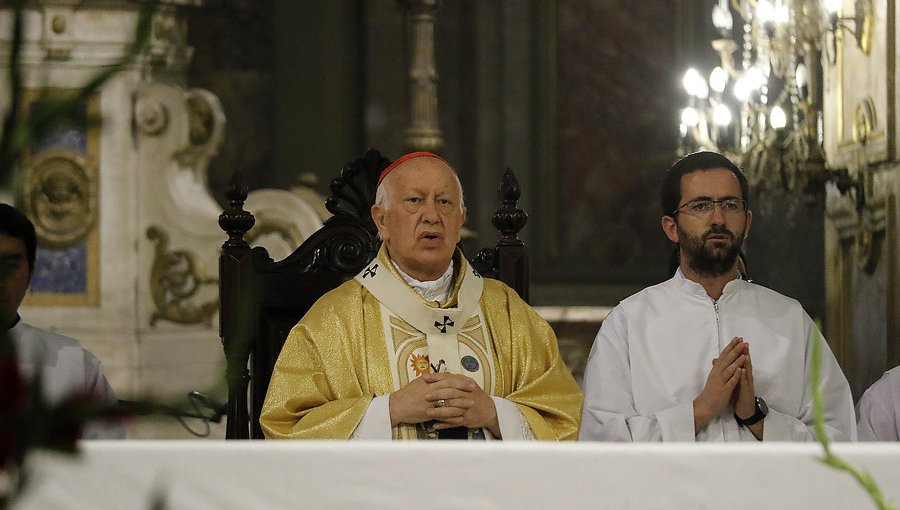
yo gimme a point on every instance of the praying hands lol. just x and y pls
(452, 400)
(728, 385)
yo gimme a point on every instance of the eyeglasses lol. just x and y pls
(704, 207)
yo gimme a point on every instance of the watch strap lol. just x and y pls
(752, 420)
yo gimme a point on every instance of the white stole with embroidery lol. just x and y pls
(441, 326)
(455, 338)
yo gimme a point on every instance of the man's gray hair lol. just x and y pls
(381, 193)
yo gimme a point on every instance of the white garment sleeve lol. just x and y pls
(376, 423)
(609, 411)
(513, 426)
(840, 417)
(96, 384)
(878, 409)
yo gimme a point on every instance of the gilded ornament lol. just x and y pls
(201, 120)
(175, 279)
(864, 121)
(58, 24)
(60, 196)
(865, 24)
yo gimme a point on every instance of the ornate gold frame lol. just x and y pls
(85, 176)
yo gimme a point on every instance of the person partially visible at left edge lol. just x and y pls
(879, 409)
(707, 355)
(419, 345)
(66, 369)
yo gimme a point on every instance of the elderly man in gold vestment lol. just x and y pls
(418, 345)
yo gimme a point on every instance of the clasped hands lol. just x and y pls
(464, 403)
(728, 385)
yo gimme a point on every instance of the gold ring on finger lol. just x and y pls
(440, 402)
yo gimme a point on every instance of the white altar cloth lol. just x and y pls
(200, 475)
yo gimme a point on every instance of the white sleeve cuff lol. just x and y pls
(513, 425)
(677, 423)
(781, 427)
(376, 423)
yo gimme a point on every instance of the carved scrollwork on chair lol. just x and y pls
(175, 279)
(353, 193)
(345, 252)
(347, 241)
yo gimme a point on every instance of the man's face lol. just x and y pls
(421, 219)
(15, 275)
(710, 242)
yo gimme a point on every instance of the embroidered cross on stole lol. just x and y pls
(423, 337)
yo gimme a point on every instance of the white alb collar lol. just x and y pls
(437, 290)
(695, 288)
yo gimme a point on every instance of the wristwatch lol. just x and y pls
(762, 409)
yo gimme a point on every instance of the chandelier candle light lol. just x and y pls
(762, 106)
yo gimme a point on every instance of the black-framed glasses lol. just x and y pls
(704, 207)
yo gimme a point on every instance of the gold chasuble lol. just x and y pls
(374, 334)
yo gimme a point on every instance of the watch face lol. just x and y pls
(762, 406)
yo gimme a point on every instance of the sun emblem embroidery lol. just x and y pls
(419, 363)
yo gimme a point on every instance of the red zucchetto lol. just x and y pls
(406, 157)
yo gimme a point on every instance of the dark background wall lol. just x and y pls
(580, 98)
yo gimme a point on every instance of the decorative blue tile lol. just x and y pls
(61, 271)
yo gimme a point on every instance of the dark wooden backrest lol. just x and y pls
(261, 299)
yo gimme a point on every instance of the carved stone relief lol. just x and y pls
(151, 117)
(60, 195)
(175, 280)
(859, 221)
(859, 89)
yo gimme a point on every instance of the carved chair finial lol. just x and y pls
(508, 218)
(235, 221)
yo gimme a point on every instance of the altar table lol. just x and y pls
(218, 474)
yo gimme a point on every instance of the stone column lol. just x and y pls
(423, 132)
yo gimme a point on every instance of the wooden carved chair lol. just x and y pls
(261, 299)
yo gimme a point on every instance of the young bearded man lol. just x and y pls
(707, 355)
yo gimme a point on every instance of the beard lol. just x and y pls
(710, 260)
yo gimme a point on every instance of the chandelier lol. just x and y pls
(762, 106)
